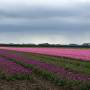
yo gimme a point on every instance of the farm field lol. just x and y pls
(82, 54)
(44, 68)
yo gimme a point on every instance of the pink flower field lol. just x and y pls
(82, 54)
(39, 65)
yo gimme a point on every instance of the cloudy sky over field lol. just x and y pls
(41, 21)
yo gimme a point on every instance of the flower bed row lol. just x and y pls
(62, 52)
(11, 69)
(49, 67)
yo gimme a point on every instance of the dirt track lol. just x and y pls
(25, 85)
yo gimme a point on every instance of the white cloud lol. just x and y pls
(43, 3)
(23, 37)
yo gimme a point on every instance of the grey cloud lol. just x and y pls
(44, 12)
(73, 8)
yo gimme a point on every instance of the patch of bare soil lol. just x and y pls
(26, 85)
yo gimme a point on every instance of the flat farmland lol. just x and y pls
(45, 68)
(82, 54)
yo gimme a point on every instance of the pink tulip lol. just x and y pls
(82, 54)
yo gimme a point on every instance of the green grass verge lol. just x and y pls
(4, 76)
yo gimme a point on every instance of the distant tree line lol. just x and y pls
(85, 45)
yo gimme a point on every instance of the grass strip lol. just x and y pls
(4, 76)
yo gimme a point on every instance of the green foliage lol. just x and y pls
(2, 75)
(19, 77)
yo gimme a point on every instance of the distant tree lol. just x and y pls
(86, 44)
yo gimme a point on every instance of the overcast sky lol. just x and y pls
(41, 21)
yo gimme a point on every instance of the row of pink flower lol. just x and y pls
(11, 68)
(83, 54)
(49, 67)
